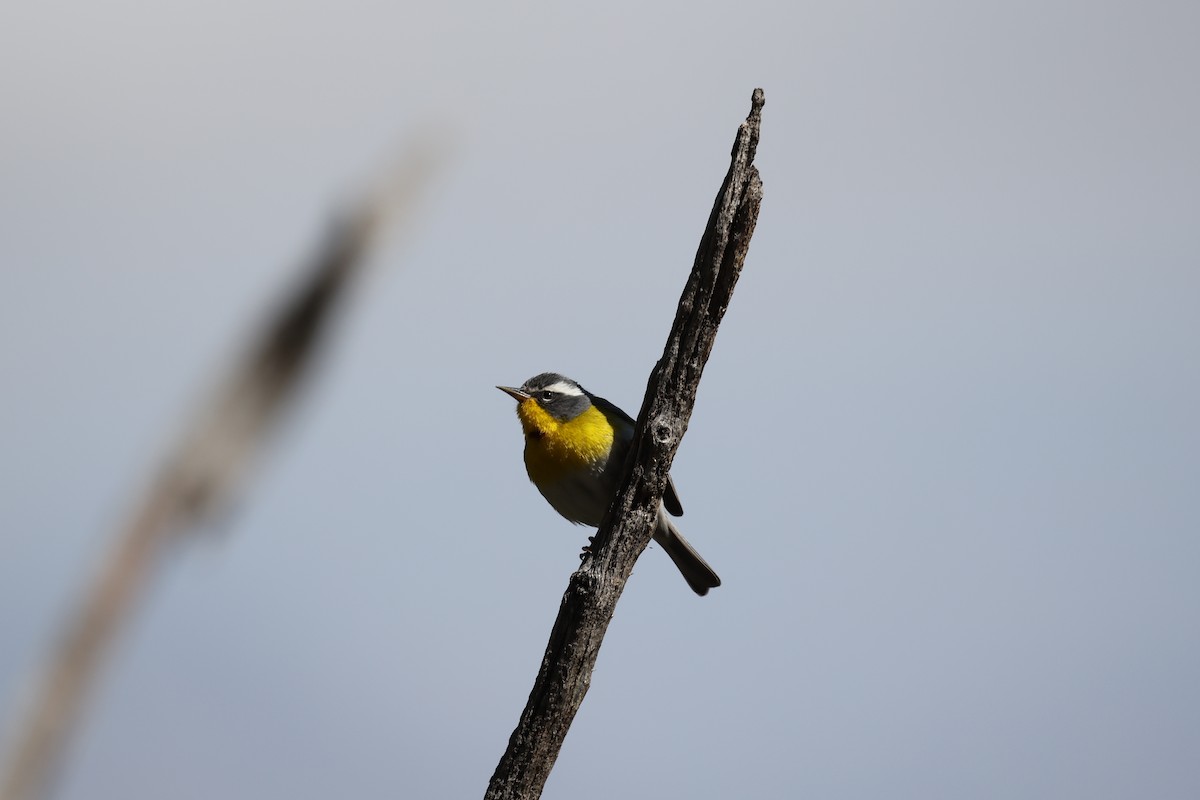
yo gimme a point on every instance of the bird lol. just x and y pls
(575, 447)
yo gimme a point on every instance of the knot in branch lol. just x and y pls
(663, 432)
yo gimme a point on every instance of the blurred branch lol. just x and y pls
(591, 597)
(202, 473)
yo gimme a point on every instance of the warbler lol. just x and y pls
(575, 447)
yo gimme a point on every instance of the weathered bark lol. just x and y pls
(594, 589)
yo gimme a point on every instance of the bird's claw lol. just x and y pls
(587, 548)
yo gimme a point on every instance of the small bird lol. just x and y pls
(575, 446)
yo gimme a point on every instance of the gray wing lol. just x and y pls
(670, 497)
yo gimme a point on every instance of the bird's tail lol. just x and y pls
(696, 571)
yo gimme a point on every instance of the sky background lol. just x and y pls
(945, 455)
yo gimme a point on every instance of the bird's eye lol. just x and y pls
(547, 396)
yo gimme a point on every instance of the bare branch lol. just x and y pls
(591, 597)
(198, 476)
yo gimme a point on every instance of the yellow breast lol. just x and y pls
(554, 449)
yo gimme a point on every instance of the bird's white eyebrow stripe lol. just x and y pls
(561, 387)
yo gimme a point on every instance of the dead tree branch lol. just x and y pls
(591, 597)
(200, 474)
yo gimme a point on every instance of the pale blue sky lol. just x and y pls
(945, 456)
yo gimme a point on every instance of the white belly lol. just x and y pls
(582, 499)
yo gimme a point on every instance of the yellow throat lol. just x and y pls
(555, 450)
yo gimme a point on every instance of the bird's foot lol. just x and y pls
(587, 548)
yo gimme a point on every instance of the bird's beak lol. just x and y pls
(515, 394)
